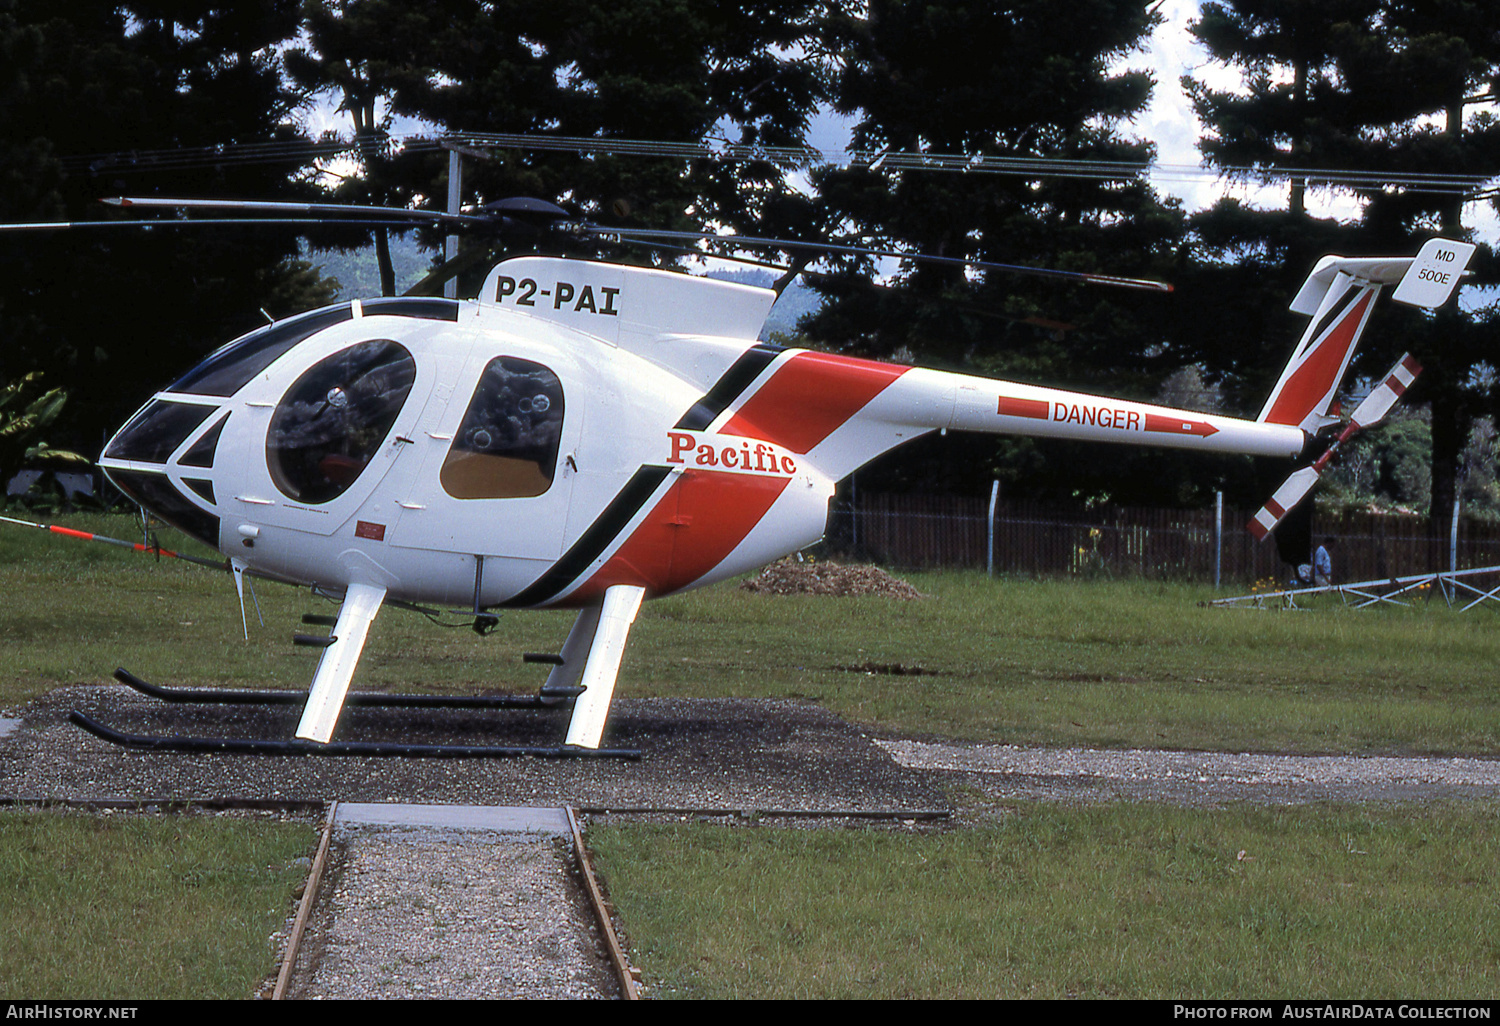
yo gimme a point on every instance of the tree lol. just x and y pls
(1370, 85)
(659, 70)
(25, 413)
(973, 79)
(113, 314)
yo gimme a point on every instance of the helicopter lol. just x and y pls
(588, 435)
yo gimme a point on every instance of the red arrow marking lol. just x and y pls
(1037, 409)
(1178, 426)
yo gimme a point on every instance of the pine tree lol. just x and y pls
(976, 79)
(99, 102)
(659, 70)
(1368, 85)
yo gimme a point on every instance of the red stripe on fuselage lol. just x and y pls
(809, 397)
(703, 516)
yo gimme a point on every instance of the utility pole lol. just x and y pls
(455, 193)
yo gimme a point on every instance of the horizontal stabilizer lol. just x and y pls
(336, 668)
(1427, 279)
(1435, 273)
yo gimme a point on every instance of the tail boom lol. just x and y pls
(919, 401)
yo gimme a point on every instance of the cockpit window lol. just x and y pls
(155, 492)
(333, 419)
(507, 445)
(201, 454)
(156, 431)
(231, 368)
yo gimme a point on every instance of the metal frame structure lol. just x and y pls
(1386, 589)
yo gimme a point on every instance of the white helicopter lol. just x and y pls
(589, 435)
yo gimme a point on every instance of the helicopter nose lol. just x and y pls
(139, 461)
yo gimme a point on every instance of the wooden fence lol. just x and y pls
(1036, 539)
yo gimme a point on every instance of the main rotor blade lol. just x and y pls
(329, 210)
(203, 222)
(790, 245)
(507, 213)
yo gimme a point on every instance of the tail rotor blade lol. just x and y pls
(1385, 395)
(1292, 491)
(1369, 413)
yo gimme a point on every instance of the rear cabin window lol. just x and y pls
(332, 421)
(507, 446)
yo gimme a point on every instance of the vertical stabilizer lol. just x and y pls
(1339, 295)
(1312, 376)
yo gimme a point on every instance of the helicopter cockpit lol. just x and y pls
(150, 437)
(324, 430)
(332, 421)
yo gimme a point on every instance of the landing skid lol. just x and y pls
(254, 746)
(548, 698)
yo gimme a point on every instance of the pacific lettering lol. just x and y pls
(689, 448)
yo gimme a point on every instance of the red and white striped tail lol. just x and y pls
(1339, 295)
(1312, 376)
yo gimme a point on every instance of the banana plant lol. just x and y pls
(26, 411)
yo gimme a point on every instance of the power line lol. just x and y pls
(788, 159)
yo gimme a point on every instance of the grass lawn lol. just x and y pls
(1115, 901)
(135, 907)
(1119, 901)
(1133, 664)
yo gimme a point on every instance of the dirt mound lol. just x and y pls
(790, 577)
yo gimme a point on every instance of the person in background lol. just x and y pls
(1323, 563)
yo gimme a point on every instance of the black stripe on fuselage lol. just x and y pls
(600, 534)
(624, 506)
(729, 387)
